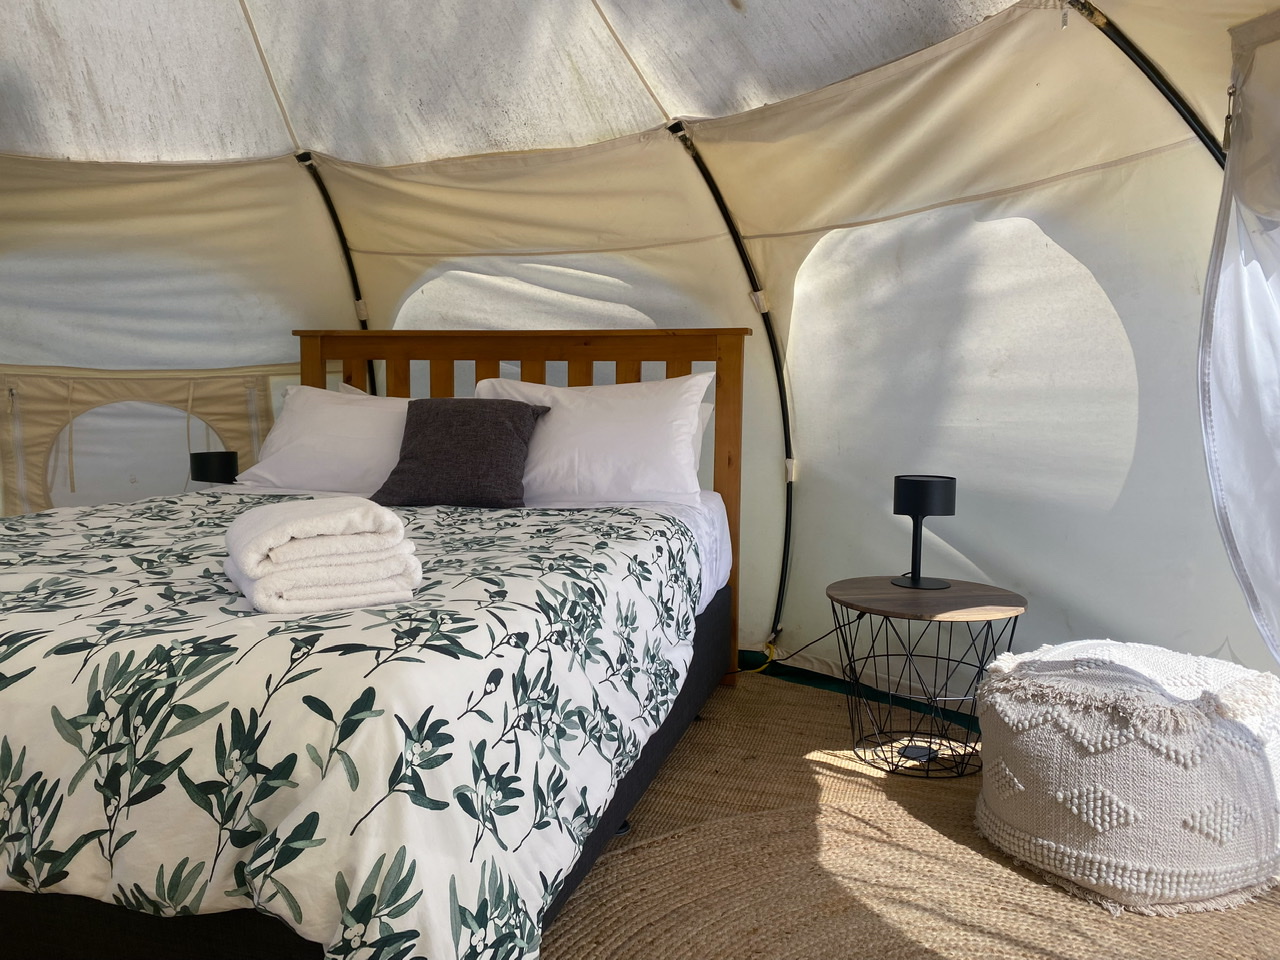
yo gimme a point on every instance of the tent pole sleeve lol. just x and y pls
(1152, 73)
(362, 313)
(677, 129)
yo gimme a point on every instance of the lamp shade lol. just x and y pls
(215, 466)
(923, 495)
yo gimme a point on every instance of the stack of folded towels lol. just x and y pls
(307, 556)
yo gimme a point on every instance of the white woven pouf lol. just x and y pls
(1132, 775)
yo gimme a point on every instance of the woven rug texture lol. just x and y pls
(764, 839)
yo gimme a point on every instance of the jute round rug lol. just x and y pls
(865, 866)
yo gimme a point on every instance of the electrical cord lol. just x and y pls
(771, 651)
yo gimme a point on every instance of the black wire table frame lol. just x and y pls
(932, 731)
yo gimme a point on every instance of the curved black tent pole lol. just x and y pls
(1152, 73)
(757, 295)
(362, 315)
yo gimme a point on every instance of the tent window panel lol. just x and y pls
(125, 451)
(589, 291)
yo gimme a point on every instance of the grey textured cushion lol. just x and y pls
(462, 452)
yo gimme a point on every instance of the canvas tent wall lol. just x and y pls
(984, 254)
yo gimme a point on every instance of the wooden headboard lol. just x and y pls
(532, 350)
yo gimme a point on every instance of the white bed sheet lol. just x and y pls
(706, 519)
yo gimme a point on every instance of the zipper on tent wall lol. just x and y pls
(1226, 124)
(362, 311)
(677, 129)
(1152, 73)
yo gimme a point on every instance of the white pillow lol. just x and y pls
(339, 442)
(615, 443)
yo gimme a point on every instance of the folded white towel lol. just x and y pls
(333, 586)
(337, 547)
(281, 536)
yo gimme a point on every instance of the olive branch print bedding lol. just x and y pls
(440, 759)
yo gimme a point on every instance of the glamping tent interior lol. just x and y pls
(944, 238)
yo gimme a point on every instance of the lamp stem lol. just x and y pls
(917, 537)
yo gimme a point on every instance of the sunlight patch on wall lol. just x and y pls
(947, 355)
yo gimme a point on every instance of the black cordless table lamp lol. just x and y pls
(918, 496)
(215, 466)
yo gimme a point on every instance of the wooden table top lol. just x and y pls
(962, 601)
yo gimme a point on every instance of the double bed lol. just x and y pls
(179, 773)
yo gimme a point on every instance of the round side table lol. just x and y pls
(913, 659)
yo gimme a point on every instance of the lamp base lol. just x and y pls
(920, 583)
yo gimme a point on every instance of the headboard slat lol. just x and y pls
(355, 374)
(581, 373)
(442, 378)
(533, 371)
(488, 370)
(398, 377)
(627, 371)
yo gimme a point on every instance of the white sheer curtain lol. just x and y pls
(1240, 348)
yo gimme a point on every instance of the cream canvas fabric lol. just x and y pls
(981, 235)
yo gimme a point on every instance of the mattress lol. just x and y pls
(415, 779)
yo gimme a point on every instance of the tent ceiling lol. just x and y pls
(399, 81)
(107, 80)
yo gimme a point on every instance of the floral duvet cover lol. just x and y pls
(411, 780)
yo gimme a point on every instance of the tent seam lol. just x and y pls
(631, 60)
(498, 158)
(566, 252)
(271, 78)
(1248, 36)
(977, 197)
(42, 371)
